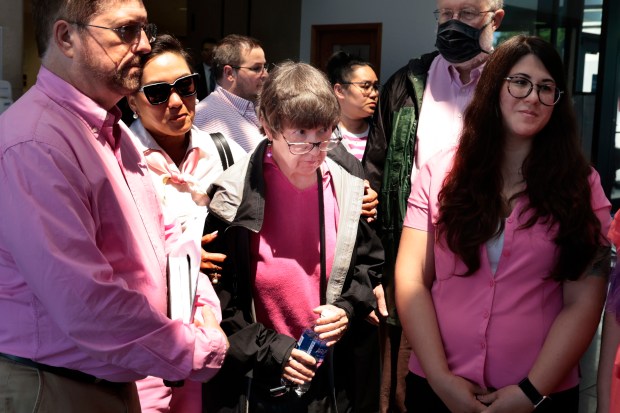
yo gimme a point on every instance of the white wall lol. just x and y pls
(11, 20)
(408, 26)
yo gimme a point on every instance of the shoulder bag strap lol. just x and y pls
(223, 149)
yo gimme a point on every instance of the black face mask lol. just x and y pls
(458, 42)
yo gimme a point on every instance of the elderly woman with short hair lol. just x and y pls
(299, 254)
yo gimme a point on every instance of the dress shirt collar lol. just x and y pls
(242, 105)
(67, 96)
(450, 69)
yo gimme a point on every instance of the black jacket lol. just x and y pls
(256, 351)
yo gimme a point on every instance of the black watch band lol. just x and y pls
(530, 391)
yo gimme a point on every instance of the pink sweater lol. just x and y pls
(285, 253)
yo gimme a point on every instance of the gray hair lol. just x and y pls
(299, 95)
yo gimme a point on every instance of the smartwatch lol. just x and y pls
(530, 391)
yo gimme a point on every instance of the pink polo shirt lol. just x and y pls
(493, 326)
(82, 259)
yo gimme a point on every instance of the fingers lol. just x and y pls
(213, 257)
(209, 265)
(300, 367)
(208, 318)
(373, 318)
(369, 202)
(380, 297)
(208, 237)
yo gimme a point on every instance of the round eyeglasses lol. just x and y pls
(520, 88)
(302, 148)
(465, 15)
(366, 87)
(258, 69)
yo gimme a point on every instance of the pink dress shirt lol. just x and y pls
(441, 118)
(231, 115)
(493, 326)
(82, 259)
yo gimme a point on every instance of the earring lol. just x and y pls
(135, 115)
(269, 154)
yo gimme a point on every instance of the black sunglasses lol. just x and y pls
(158, 93)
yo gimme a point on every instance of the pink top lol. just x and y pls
(82, 246)
(286, 286)
(493, 327)
(354, 142)
(231, 115)
(441, 118)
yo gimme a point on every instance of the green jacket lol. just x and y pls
(390, 156)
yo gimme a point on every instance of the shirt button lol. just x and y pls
(506, 254)
(491, 283)
(482, 346)
(95, 130)
(509, 220)
(486, 314)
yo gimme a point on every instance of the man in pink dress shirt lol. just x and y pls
(82, 246)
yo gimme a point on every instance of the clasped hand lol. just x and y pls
(463, 396)
(331, 326)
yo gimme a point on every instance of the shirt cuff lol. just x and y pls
(209, 354)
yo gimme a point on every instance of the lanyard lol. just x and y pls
(323, 284)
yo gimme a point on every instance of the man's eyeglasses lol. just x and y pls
(130, 33)
(302, 148)
(258, 69)
(520, 88)
(158, 93)
(365, 87)
(468, 15)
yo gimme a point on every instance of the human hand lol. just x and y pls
(373, 317)
(459, 394)
(299, 368)
(509, 399)
(332, 324)
(209, 321)
(209, 261)
(369, 202)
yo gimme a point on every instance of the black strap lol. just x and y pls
(223, 149)
(323, 284)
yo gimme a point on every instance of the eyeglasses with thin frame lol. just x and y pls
(258, 69)
(366, 87)
(130, 33)
(302, 148)
(158, 93)
(467, 15)
(520, 88)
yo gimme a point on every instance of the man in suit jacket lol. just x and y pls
(206, 84)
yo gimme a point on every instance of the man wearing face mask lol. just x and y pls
(409, 133)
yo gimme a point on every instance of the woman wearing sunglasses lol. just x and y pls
(502, 266)
(183, 162)
(300, 256)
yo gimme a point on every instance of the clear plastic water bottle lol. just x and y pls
(310, 343)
